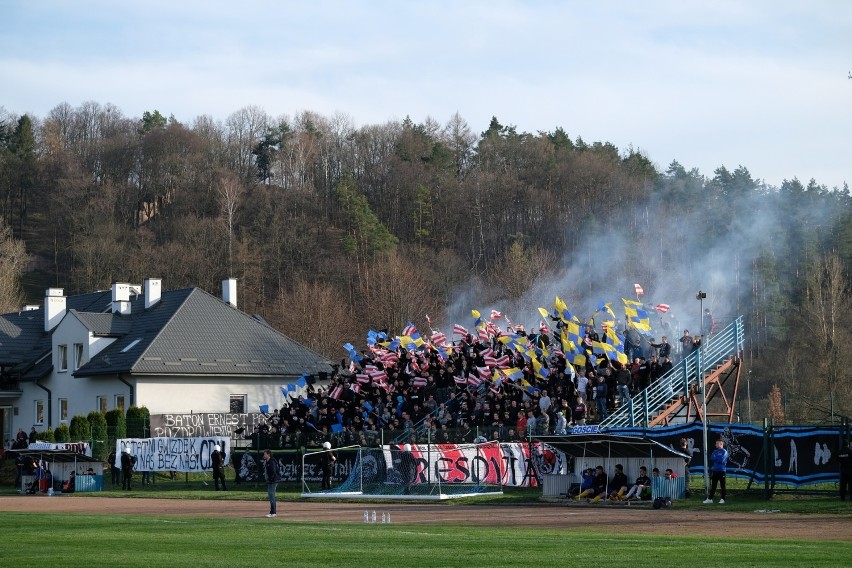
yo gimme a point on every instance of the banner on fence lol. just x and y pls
(508, 464)
(172, 454)
(205, 424)
(77, 447)
(795, 455)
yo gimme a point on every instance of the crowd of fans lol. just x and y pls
(442, 392)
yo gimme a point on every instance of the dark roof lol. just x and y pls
(188, 332)
(609, 446)
(191, 332)
(107, 325)
(24, 343)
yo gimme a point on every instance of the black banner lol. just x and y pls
(794, 455)
(204, 424)
(249, 469)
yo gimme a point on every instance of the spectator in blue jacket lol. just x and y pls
(718, 464)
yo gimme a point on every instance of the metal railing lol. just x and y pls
(715, 350)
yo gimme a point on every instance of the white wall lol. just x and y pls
(203, 394)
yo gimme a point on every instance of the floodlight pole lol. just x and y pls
(700, 297)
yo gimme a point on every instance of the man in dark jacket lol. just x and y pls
(127, 463)
(272, 477)
(218, 460)
(845, 459)
(327, 461)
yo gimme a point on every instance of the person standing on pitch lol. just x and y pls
(272, 476)
(845, 459)
(407, 468)
(327, 461)
(719, 462)
(127, 463)
(218, 459)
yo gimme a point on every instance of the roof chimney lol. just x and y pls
(153, 288)
(229, 291)
(54, 307)
(121, 298)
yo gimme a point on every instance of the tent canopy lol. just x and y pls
(57, 456)
(609, 446)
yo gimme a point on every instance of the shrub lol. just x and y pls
(116, 425)
(80, 429)
(138, 422)
(99, 435)
(62, 433)
(46, 436)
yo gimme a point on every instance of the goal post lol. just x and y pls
(404, 471)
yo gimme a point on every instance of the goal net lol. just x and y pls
(419, 471)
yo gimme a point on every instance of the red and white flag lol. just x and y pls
(439, 339)
(459, 330)
(639, 290)
(419, 381)
(663, 308)
(495, 315)
(335, 394)
(483, 334)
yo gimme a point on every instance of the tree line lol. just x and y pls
(333, 229)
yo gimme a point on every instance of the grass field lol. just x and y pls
(121, 540)
(72, 539)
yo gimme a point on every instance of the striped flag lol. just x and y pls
(460, 380)
(356, 388)
(439, 339)
(459, 330)
(419, 381)
(473, 380)
(409, 329)
(335, 394)
(362, 378)
(483, 334)
(495, 315)
(639, 290)
(662, 308)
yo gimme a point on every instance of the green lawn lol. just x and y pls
(120, 540)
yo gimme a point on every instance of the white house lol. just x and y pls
(174, 351)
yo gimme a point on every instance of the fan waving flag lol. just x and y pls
(639, 290)
(662, 308)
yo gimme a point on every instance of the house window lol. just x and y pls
(63, 409)
(101, 404)
(119, 402)
(238, 404)
(78, 355)
(63, 358)
(39, 412)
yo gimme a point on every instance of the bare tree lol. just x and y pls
(825, 315)
(230, 195)
(13, 261)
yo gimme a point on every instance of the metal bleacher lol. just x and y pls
(673, 397)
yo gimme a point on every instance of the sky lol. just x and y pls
(762, 84)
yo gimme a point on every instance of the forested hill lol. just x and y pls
(334, 229)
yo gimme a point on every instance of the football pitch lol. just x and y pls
(79, 531)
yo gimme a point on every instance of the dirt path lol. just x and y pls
(713, 521)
